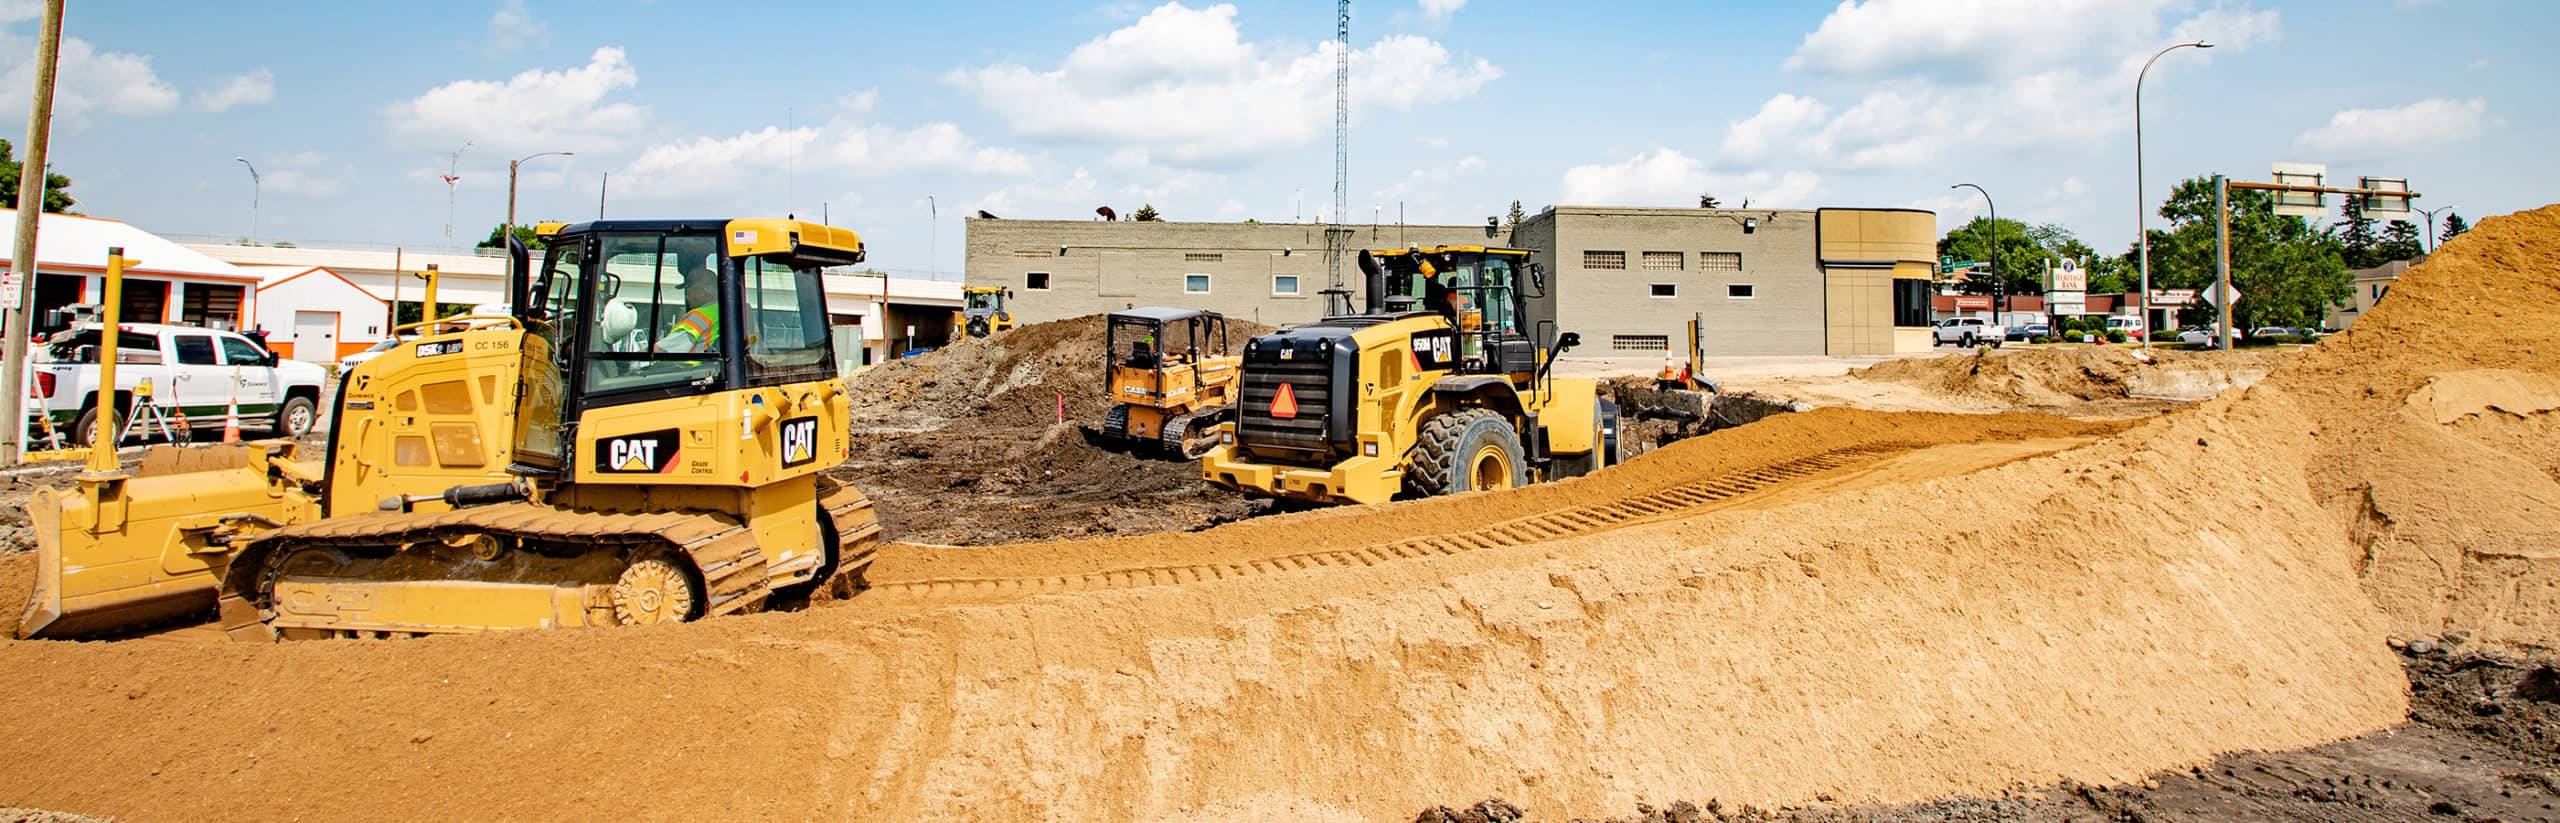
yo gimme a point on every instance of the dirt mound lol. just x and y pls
(2058, 377)
(2437, 420)
(982, 442)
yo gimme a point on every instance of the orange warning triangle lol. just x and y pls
(1284, 405)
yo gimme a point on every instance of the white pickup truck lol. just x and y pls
(1968, 332)
(200, 372)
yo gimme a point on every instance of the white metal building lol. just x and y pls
(164, 283)
(315, 314)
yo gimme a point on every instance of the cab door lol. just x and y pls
(198, 383)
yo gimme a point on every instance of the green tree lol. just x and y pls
(1147, 214)
(2399, 242)
(523, 233)
(1512, 221)
(2022, 256)
(2288, 273)
(56, 199)
(2356, 236)
(2453, 225)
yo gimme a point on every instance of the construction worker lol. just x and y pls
(699, 329)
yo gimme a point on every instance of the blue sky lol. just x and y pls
(352, 112)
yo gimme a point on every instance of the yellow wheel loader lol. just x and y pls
(640, 441)
(982, 311)
(1172, 382)
(1441, 384)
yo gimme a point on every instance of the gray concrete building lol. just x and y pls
(1764, 281)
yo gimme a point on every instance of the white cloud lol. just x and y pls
(512, 27)
(256, 88)
(2228, 28)
(1428, 186)
(537, 110)
(297, 181)
(2374, 134)
(1439, 11)
(1981, 37)
(707, 165)
(1782, 119)
(1183, 84)
(1666, 177)
(88, 80)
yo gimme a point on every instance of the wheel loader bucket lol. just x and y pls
(128, 550)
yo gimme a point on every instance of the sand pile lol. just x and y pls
(2438, 437)
(2061, 377)
(1938, 605)
(1007, 381)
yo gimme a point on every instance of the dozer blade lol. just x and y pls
(129, 550)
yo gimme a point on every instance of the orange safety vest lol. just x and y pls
(702, 324)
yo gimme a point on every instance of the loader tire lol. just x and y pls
(978, 327)
(1467, 450)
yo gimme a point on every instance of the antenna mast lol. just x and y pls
(1336, 237)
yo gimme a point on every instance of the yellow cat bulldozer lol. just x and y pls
(642, 439)
(982, 311)
(1172, 381)
(1441, 384)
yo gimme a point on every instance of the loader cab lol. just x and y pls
(632, 311)
(1484, 293)
(982, 310)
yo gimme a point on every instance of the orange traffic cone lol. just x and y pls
(231, 419)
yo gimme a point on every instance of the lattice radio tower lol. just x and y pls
(1337, 238)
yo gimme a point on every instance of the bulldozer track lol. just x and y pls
(724, 551)
(1668, 503)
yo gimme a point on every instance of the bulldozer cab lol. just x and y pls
(982, 302)
(626, 312)
(1149, 338)
(1484, 293)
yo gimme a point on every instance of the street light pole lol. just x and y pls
(452, 175)
(1999, 287)
(512, 165)
(2431, 223)
(933, 236)
(254, 185)
(2142, 201)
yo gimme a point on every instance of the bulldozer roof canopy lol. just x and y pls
(1158, 314)
(1449, 249)
(752, 236)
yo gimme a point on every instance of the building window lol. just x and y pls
(1665, 290)
(1662, 261)
(1033, 254)
(1196, 257)
(1639, 342)
(1738, 291)
(1285, 285)
(1195, 284)
(1910, 302)
(1036, 281)
(1719, 261)
(1604, 260)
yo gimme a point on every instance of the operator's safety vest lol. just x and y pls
(701, 324)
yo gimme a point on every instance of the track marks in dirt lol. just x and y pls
(1683, 500)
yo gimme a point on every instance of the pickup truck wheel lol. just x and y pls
(85, 430)
(1968, 341)
(293, 419)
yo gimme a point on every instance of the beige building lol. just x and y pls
(1763, 281)
(2370, 285)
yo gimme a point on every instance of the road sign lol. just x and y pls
(1948, 266)
(2205, 295)
(2310, 204)
(9, 285)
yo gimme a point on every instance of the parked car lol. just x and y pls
(2272, 331)
(1967, 331)
(2198, 335)
(197, 371)
(2131, 326)
(2031, 331)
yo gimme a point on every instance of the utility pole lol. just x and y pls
(2221, 260)
(452, 175)
(22, 258)
(933, 235)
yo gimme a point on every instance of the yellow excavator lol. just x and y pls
(1442, 384)
(642, 439)
(982, 311)
(1172, 381)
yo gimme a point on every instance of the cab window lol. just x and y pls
(194, 350)
(657, 320)
(785, 323)
(243, 353)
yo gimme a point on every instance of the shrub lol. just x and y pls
(2041, 339)
(2115, 335)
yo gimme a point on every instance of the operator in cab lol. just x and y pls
(700, 325)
